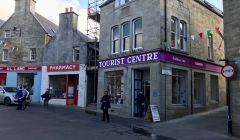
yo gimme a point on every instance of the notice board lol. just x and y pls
(152, 113)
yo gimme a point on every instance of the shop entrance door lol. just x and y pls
(138, 76)
(3, 79)
(72, 89)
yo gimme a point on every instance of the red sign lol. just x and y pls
(63, 67)
(20, 68)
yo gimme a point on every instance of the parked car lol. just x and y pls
(7, 95)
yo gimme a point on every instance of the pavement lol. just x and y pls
(71, 123)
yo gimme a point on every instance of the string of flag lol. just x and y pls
(200, 35)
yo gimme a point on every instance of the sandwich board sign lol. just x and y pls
(155, 114)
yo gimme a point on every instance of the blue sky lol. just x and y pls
(217, 3)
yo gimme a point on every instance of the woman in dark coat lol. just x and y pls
(105, 106)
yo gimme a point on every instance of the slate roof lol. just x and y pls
(47, 25)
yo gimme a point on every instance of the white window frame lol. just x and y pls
(210, 46)
(33, 54)
(121, 2)
(7, 34)
(113, 40)
(182, 36)
(174, 32)
(136, 33)
(5, 55)
(76, 51)
(124, 38)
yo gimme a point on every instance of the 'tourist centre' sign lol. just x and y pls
(160, 55)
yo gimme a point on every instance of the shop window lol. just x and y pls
(137, 33)
(114, 85)
(199, 88)
(5, 55)
(125, 36)
(33, 54)
(57, 85)
(214, 88)
(76, 54)
(115, 40)
(179, 81)
(210, 46)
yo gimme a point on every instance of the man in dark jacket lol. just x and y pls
(105, 106)
(19, 96)
(140, 102)
(46, 97)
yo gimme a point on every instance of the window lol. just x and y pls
(33, 54)
(199, 88)
(76, 54)
(210, 46)
(7, 34)
(214, 88)
(137, 33)
(114, 85)
(174, 27)
(179, 87)
(126, 36)
(115, 40)
(183, 34)
(120, 2)
(5, 55)
(57, 85)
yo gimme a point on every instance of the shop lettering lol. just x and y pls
(66, 67)
(199, 64)
(15, 68)
(130, 60)
(179, 59)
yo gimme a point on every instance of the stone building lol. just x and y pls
(232, 41)
(24, 35)
(65, 63)
(175, 66)
(1, 22)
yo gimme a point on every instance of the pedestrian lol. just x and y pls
(140, 103)
(46, 97)
(19, 96)
(105, 106)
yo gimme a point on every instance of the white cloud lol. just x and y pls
(49, 9)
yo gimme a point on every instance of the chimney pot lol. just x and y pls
(66, 10)
(71, 9)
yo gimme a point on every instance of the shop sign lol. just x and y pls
(20, 68)
(63, 67)
(160, 55)
(155, 114)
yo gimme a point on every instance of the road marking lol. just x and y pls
(4, 109)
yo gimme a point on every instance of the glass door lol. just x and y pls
(138, 77)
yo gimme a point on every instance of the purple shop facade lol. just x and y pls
(162, 56)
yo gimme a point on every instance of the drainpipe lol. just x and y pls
(165, 40)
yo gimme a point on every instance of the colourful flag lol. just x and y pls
(171, 43)
(178, 40)
(185, 39)
(209, 32)
(201, 35)
(165, 44)
(193, 37)
(217, 30)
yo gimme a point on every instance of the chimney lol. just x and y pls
(68, 20)
(25, 6)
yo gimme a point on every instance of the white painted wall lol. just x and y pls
(81, 87)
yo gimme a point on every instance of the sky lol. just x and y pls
(51, 9)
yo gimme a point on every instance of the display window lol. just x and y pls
(114, 86)
(57, 85)
(3, 77)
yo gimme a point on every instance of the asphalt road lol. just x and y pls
(59, 123)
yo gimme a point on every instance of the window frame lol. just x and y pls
(210, 46)
(123, 38)
(5, 55)
(137, 33)
(7, 34)
(175, 32)
(32, 54)
(120, 2)
(182, 35)
(114, 41)
(75, 53)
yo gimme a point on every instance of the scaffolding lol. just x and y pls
(93, 32)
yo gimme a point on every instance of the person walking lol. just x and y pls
(46, 97)
(19, 96)
(105, 106)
